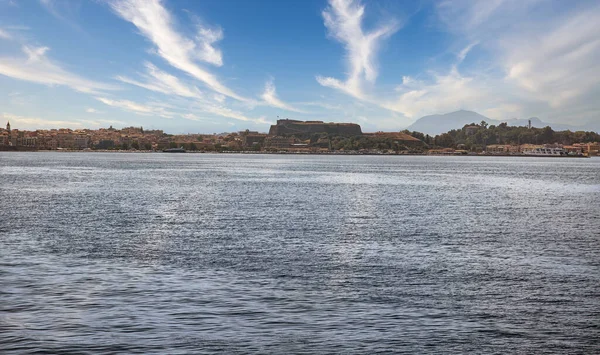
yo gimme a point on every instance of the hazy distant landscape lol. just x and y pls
(438, 124)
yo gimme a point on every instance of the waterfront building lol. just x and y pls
(279, 142)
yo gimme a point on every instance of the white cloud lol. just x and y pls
(191, 116)
(156, 24)
(37, 68)
(548, 52)
(33, 123)
(169, 111)
(444, 93)
(4, 34)
(160, 81)
(227, 112)
(143, 109)
(343, 19)
(270, 97)
(63, 11)
(325, 105)
(561, 64)
(205, 39)
(101, 122)
(534, 58)
(219, 98)
(463, 53)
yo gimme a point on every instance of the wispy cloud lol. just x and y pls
(562, 64)
(156, 23)
(465, 51)
(219, 98)
(4, 34)
(344, 21)
(33, 123)
(92, 110)
(207, 52)
(220, 111)
(36, 123)
(101, 122)
(63, 10)
(142, 109)
(230, 113)
(533, 55)
(191, 112)
(446, 92)
(270, 97)
(548, 53)
(163, 82)
(325, 105)
(37, 68)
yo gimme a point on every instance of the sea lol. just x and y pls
(298, 254)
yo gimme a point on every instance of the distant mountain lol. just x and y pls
(438, 124)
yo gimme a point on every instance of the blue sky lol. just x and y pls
(215, 66)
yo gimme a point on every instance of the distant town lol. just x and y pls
(293, 136)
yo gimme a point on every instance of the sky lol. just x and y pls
(208, 66)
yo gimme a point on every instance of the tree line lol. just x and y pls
(474, 136)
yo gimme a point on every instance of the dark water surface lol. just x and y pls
(199, 253)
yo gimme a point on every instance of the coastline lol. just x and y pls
(349, 153)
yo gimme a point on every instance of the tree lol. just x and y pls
(444, 140)
(547, 135)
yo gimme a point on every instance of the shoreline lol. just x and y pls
(295, 153)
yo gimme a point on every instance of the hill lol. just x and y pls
(438, 124)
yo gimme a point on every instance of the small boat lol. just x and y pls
(174, 150)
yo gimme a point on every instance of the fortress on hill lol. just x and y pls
(289, 127)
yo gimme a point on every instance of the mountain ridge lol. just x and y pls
(442, 123)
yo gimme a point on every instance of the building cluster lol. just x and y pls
(100, 139)
(64, 138)
(576, 149)
(285, 135)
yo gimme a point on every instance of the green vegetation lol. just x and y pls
(383, 143)
(477, 136)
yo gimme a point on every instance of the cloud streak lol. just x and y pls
(531, 59)
(270, 97)
(4, 34)
(137, 108)
(563, 64)
(162, 82)
(549, 54)
(344, 21)
(36, 67)
(36, 123)
(156, 24)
